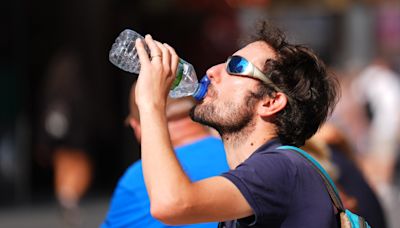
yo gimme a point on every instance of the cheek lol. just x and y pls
(232, 89)
(239, 83)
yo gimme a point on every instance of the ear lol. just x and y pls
(269, 106)
(137, 130)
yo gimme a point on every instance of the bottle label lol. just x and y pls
(179, 73)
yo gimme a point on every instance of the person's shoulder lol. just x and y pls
(207, 145)
(284, 161)
(203, 158)
(272, 161)
(287, 154)
(135, 167)
(133, 176)
(265, 178)
(210, 140)
(272, 154)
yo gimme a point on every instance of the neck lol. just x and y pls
(184, 131)
(240, 145)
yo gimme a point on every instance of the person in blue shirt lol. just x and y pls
(267, 94)
(200, 154)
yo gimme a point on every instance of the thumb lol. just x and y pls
(142, 53)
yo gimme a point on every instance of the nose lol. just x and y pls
(214, 73)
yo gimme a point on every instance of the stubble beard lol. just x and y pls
(234, 122)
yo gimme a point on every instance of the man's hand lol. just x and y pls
(156, 74)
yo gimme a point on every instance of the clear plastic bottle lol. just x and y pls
(123, 54)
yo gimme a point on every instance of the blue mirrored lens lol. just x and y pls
(237, 65)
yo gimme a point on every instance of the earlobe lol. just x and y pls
(272, 105)
(136, 128)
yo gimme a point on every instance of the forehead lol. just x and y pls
(257, 53)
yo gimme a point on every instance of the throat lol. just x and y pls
(237, 139)
(239, 145)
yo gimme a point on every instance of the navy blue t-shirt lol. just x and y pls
(283, 190)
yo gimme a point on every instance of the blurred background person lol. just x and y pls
(350, 33)
(200, 154)
(357, 195)
(320, 151)
(64, 135)
(377, 89)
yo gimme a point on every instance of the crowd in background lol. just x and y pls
(63, 104)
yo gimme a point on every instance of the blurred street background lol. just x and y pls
(63, 141)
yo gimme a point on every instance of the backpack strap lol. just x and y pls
(330, 186)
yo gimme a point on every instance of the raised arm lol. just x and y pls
(173, 197)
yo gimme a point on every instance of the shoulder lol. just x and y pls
(275, 160)
(203, 158)
(272, 166)
(133, 177)
(204, 143)
(209, 150)
(266, 180)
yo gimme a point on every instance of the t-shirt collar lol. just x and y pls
(272, 143)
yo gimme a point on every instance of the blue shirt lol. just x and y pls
(130, 206)
(283, 190)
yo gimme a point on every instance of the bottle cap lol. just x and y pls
(202, 89)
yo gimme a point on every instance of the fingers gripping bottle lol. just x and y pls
(123, 54)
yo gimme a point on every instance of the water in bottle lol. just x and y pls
(123, 54)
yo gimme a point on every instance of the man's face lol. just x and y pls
(229, 105)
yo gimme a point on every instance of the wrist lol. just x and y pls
(149, 108)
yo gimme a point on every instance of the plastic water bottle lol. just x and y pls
(123, 54)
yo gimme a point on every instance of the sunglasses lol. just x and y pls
(237, 65)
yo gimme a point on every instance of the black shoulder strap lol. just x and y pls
(331, 187)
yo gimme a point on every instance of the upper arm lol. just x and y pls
(261, 186)
(211, 199)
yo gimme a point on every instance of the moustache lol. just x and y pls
(211, 92)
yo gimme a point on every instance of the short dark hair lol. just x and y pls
(303, 77)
